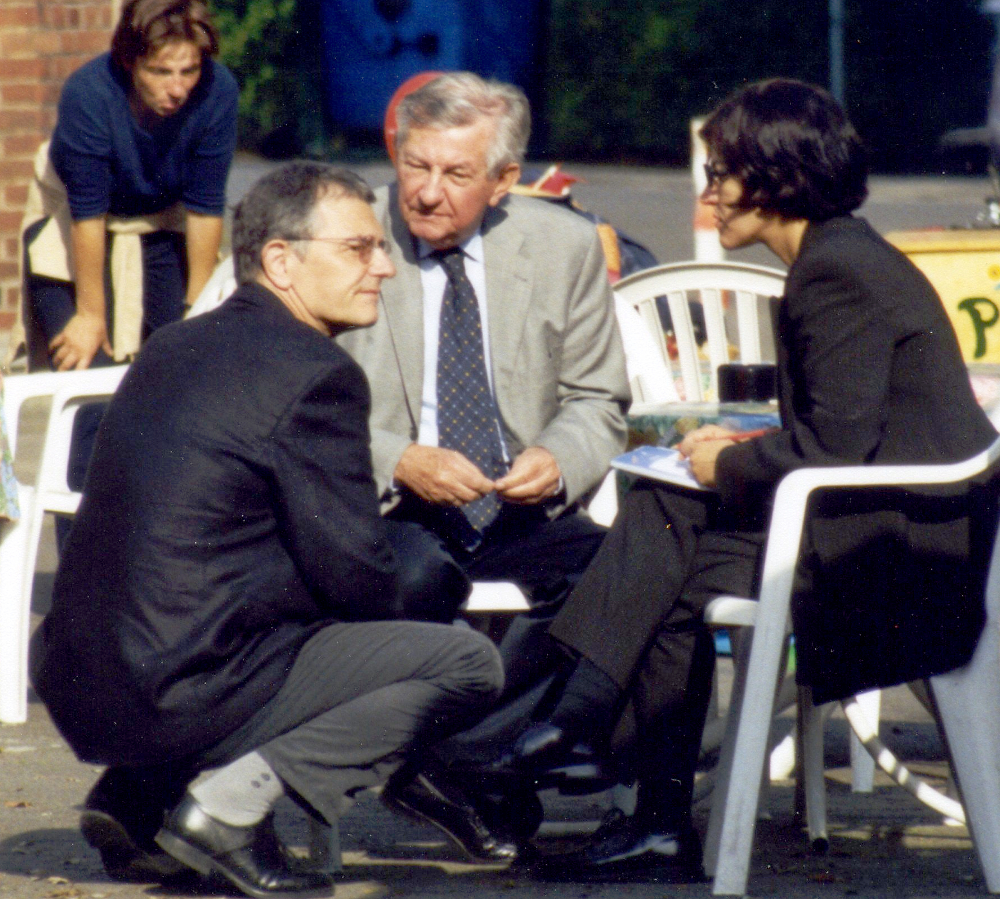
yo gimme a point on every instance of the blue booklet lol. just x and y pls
(661, 463)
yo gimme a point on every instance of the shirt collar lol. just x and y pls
(473, 248)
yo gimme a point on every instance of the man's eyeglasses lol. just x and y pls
(363, 246)
(714, 175)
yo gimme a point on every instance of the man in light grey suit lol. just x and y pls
(543, 344)
(553, 355)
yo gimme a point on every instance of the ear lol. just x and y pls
(510, 175)
(275, 261)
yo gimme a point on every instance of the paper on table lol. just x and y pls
(661, 463)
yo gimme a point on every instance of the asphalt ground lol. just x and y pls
(883, 844)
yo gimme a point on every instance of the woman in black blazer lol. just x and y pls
(869, 371)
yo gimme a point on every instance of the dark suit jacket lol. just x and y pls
(228, 514)
(869, 371)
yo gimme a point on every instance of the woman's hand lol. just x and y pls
(706, 432)
(703, 457)
(86, 332)
(702, 447)
(76, 345)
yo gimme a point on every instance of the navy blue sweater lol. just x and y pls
(110, 164)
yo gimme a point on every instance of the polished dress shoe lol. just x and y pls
(249, 858)
(434, 798)
(122, 831)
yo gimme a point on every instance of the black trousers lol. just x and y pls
(637, 614)
(544, 557)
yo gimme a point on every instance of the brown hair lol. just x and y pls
(147, 25)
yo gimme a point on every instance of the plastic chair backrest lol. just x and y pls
(17, 390)
(727, 292)
(76, 389)
(649, 376)
(19, 540)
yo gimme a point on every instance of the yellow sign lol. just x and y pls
(964, 267)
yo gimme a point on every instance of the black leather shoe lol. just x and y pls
(122, 832)
(435, 799)
(249, 858)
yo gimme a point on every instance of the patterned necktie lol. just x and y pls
(467, 417)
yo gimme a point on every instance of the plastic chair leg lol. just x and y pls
(968, 708)
(741, 640)
(742, 794)
(15, 613)
(862, 764)
(811, 719)
(724, 767)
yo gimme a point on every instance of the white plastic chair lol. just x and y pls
(14, 614)
(709, 283)
(69, 390)
(649, 376)
(967, 700)
(219, 287)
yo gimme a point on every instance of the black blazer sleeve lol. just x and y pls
(327, 511)
(869, 369)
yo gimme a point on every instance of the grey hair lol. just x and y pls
(459, 98)
(280, 206)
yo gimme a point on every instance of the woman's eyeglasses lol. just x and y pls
(714, 175)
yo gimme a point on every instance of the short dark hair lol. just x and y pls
(792, 149)
(280, 206)
(147, 25)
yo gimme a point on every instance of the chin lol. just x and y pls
(430, 232)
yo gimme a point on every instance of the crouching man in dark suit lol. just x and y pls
(224, 603)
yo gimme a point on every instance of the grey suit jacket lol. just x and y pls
(558, 363)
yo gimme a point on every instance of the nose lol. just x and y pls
(431, 192)
(710, 195)
(382, 266)
(177, 88)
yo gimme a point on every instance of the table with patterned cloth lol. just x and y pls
(666, 424)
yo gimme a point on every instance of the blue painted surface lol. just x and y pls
(370, 47)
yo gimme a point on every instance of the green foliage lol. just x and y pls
(914, 70)
(274, 56)
(624, 79)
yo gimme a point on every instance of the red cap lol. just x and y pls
(413, 83)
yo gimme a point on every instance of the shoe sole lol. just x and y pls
(670, 849)
(410, 811)
(122, 858)
(204, 864)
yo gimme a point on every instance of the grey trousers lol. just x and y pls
(359, 698)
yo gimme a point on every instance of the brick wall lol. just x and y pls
(41, 42)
